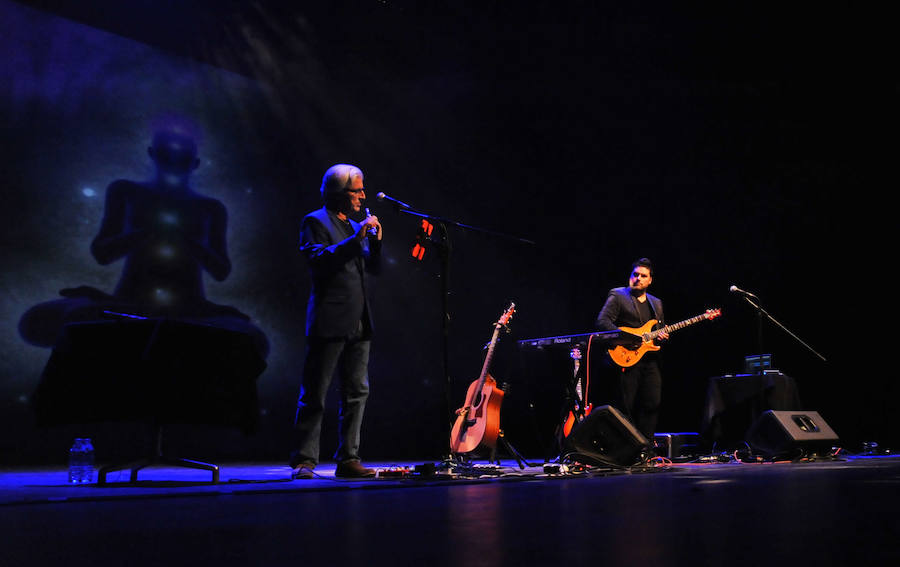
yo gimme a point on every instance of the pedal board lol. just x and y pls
(392, 472)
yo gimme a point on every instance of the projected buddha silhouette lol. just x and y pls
(168, 235)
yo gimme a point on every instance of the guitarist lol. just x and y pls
(637, 390)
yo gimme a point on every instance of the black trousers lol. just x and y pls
(349, 358)
(639, 395)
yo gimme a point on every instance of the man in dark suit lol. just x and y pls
(638, 388)
(340, 252)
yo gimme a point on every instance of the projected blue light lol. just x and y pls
(163, 296)
(168, 235)
(166, 252)
(168, 218)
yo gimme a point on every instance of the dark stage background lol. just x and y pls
(730, 147)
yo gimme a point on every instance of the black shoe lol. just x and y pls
(353, 469)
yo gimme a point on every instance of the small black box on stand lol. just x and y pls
(676, 445)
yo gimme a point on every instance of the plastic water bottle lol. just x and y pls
(81, 462)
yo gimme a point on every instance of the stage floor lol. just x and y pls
(830, 512)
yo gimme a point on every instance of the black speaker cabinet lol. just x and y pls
(780, 432)
(606, 437)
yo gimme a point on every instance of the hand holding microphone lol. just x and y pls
(371, 225)
(372, 230)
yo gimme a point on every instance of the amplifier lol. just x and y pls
(675, 445)
(782, 432)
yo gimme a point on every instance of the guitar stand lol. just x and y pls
(511, 450)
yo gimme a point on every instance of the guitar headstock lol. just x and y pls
(507, 315)
(712, 314)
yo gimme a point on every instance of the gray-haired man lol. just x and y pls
(340, 253)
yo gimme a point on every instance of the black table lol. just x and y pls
(735, 401)
(167, 370)
(158, 370)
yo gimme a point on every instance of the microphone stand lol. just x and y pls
(763, 314)
(444, 248)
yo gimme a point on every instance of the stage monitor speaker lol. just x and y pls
(778, 432)
(606, 437)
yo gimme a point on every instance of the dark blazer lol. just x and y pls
(338, 264)
(621, 310)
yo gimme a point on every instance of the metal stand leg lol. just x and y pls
(157, 459)
(512, 451)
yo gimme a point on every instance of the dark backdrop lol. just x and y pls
(741, 147)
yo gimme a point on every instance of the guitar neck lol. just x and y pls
(475, 392)
(678, 325)
(487, 358)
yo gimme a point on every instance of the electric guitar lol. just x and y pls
(625, 357)
(580, 408)
(478, 421)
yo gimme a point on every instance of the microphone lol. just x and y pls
(382, 197)
(736, 289)
(373, 231)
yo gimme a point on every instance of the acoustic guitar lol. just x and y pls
(478, 421)
(625, 357)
